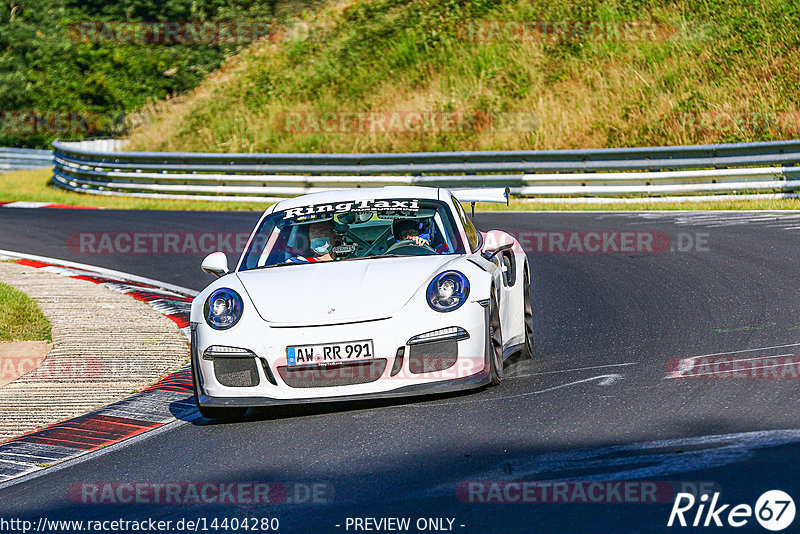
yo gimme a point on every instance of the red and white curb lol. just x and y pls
(173, 301)
(170, 399)
(164, 402)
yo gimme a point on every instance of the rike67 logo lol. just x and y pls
(774, 510)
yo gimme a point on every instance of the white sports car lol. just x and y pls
(360, 293)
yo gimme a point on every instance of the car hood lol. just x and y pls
(330, 293)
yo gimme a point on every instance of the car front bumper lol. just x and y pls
(268, 347)
(478, 380)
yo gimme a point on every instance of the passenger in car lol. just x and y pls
(320, 239)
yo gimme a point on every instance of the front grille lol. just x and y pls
(236, 372)
(320, 376)
(429, 357)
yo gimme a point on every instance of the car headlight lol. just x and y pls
(223, 309)
(448, 291)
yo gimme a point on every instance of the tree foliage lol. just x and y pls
(48, 70)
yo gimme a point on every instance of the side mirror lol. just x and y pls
(491, 253)
(216, 263)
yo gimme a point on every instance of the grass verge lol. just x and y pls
(703, 71)
(20, 317)
(36, 186)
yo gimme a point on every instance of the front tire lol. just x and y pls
(495, 343)
(527, 348)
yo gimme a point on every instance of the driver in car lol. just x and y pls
(411, 230)
(320, 238)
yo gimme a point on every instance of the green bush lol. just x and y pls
(44, 66)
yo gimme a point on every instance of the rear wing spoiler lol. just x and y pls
(486, 194)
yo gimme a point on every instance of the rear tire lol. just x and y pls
(527, 348)
(495, 343)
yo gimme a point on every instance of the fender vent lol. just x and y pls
(435, 356)
(236, 372)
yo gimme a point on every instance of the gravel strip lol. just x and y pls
(106, 345)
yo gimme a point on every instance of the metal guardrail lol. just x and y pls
(24, 158)
(100, 167)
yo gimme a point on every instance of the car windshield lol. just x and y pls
(353, 230)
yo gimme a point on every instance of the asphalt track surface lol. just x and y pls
(594, 404)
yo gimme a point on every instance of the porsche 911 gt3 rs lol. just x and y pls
(361, 293)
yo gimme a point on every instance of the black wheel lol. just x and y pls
(213, 412)
(527, 349)
(495, 342)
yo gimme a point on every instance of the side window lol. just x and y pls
(469, 228)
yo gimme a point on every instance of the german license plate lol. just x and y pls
(329, 353)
